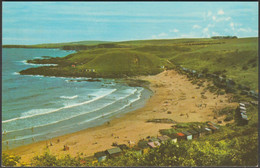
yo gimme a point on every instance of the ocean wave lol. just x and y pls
(26, 97)
(68, 97)
(37, 112)
(15, 73)
(55, 122)
(23, 137)
(58, 109)
(26, 63)
(35, 76)
(106, 114)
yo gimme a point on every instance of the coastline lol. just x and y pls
(169, 100)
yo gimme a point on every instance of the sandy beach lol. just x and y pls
(175, 97)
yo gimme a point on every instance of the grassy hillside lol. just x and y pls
(56, 45)
(118, 62)
(234, 58)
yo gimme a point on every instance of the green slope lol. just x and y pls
(57, 45)
(233, 58)
(106, 62)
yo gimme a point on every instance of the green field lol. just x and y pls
(56, 45)
(236, 59)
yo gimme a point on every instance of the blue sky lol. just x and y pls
(53, 22)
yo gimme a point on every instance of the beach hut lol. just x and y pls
(173, 138)
(194, 133)
(154, 144)
(123, 146)
(153, 139)
(163, 138)
(243, 111)
(213, 128)
(208, 131)
(242, 108)
(101, 156)
(211, 123)
(201, 132)
(144, 146)
(243, 115)
(180, 136)
(188, 135)
(138, 150)
(242, 105)
(113, 152)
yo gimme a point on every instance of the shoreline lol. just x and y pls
(169, 100)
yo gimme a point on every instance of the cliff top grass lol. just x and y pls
(234, 58)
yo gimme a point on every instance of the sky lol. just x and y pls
(54, 22)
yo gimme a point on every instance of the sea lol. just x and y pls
(37, 108)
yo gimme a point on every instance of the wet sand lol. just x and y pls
(175, 97)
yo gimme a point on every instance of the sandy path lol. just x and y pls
(173, 94)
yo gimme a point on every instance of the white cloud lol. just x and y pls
(221, 12)
(196, 26)
(215, 34)
(223, 19)
(220, 19)
(205, 30)
(244, 30)
(232, 25)
(174, 30)
(161, 35)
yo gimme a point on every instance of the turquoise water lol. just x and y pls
(36, 108)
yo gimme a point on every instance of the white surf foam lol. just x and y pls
(26, 63)
(55, 122)
(16, 73)
(68, 97)
(58, 109)
(128, 104)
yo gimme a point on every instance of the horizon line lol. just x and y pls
(128, 40)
